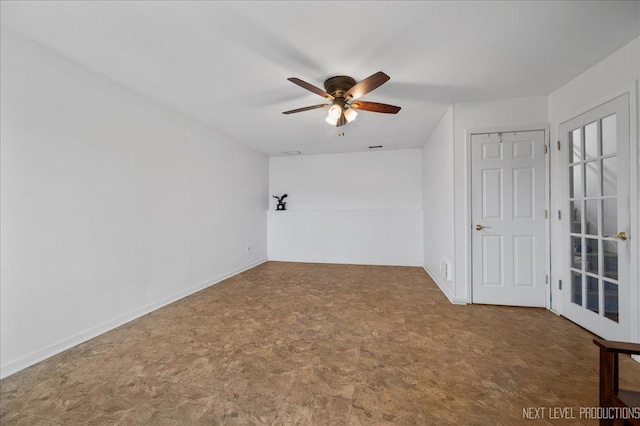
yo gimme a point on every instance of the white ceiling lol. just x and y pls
(226, 63)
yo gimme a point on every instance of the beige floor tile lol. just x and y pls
(316, 344)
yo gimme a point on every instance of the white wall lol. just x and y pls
(528, 113)
(613, 76)
(437, 202)
(596, 85)
(112, 205)
(360, 208)
(374, 180)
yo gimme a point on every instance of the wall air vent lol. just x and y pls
(445, 268)
(375, 147)
(293, 152)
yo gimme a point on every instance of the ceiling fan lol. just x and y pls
(343, 93)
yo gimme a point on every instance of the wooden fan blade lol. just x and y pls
(375, 107)
(367, 85)
(293, 111)
(310, 87)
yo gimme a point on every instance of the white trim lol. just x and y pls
(336, 262)
(547, 203)
(559, 253)
(467, 208)
(454, 266)
(613, 94)
(436, 279)
(634, 214)
(467, 218)
(42, 354)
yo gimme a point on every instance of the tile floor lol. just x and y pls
(293, 343)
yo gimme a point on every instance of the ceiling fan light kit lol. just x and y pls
(350, 115)
(335, 111)
(331, 120)
(342, 90)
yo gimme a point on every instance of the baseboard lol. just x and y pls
(351, 262)
(51, 350)
(443, 288)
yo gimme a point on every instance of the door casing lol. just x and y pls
(469, 231)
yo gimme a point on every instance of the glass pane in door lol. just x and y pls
(591, 217)
(576, 288)
(591, 140)
(592, 185)
(609, 176)
(611, 301)
(593, 296)
(575, 187)
(610, 217)
(576, 145)
(609, 135)
(576, 216)
(576, 243)
(591, 255)
(610, 261)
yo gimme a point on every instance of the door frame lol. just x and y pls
(468, 235)
(633, 90)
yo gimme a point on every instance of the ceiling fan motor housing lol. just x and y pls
(337, 86)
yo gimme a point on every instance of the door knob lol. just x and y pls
(620, 235)
(480, 227)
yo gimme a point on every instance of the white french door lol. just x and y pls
(507, 210)
(595, 222)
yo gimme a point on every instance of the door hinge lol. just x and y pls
(546, 279)
(545, 149)
(559, 215)
(546, 214)
(558, 145)
(560, 284)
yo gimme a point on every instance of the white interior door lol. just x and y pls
(596, 293)
(508, 207)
